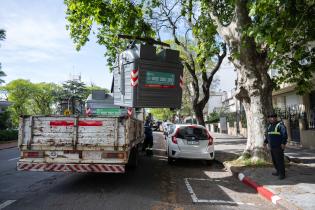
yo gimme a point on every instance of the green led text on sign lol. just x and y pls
(159, 78)
(108, 111)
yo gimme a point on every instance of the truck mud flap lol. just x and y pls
(59, 167)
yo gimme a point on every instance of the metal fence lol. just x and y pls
(294, 114)
(311, 119)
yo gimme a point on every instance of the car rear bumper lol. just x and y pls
(185, 155)
(68, 167)
(205, 155)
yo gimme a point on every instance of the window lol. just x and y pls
(199, 133)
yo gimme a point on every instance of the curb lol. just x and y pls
(8, 145)
(265, 192)
(298, 160)
(260, 189)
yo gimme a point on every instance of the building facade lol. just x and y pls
(298, 114)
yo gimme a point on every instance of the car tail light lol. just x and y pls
(210, 139)
(33, 154)
(174, 138)
(118, 155)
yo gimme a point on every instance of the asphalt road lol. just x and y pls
(153, 185)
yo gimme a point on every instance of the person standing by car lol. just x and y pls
(148, 140)
(276, 138)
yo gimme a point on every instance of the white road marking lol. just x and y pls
(224, 202)
(191, 191)
(6, 203)
(196, 200)
(274, 199)
(14, 159)
(210, 180)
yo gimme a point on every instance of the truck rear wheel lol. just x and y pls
(133, 158)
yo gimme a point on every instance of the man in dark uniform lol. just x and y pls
(276, 137)
(148, 140)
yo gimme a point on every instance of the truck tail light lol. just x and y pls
(118, 155)
(32, 154)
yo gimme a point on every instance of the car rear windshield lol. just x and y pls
(198, 133)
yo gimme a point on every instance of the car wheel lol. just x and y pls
(209, 162)
(170, 160)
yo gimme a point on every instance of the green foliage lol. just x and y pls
(28, 98)
(111, 18)
(213, 117)
(5, 120)
(7, 135)
(287, 28)
(73, 92)
(249, 162)
(43, 97)
(162, 113)
(95, 87)
(243, 119)
(19, 93)
(282, 30)
(73, 89)
(230, 117)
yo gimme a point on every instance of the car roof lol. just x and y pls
(189, 125)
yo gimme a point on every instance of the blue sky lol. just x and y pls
(38, 47)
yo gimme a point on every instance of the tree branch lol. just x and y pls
(217, 66)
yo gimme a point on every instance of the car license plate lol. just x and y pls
(193, 142)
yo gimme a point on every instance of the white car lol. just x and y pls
(189, 142)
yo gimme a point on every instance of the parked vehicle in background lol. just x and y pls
(190, 120)
(166, 126)
(189, 142)
(156, 125)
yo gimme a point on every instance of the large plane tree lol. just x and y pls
(262, 35)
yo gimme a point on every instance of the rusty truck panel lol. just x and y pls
(80, 133)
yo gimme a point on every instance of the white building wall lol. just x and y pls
(215, 101)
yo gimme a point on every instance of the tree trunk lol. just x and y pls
(254, 86)
(199, 114)
(257, 103)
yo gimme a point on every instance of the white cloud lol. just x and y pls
(38, 46)
(32, 33)
(33, 37)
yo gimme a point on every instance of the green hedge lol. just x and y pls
(7, 135)
(213, 118)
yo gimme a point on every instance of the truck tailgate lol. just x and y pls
(71, 133)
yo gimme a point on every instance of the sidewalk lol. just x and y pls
(297, 190)
(8, 144)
